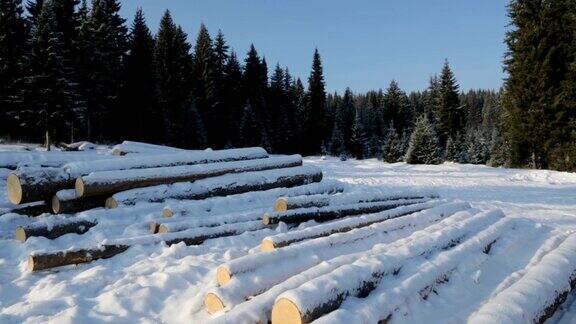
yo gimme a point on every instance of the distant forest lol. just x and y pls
(72, 71)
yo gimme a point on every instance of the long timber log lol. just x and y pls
(328, 213)
(111, 182)
(32, 211)
(225, 185)
(66, 202)
(110, 248)
(31, 184)
(53, 231)
(358, 279)
(283, 204)
(261, 198)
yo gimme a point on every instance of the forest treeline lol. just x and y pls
(75, 70)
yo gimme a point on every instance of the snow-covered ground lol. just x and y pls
(157, 283)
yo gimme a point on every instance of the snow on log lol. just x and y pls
(344, 225)
(78, 169)
(31, 184)
(323, 214)
(180, 224)
(225, 185)
(66, 202)
(272, 268)
(283, 204)
(42, 261)
(15, 160)
(111, 182)
(535, 297)
(54, 230)
(110, 248)
(326, 293)
(31, 210)
(254, 199)
(127, 147)
(423, 279)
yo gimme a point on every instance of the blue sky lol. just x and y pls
(364, 44)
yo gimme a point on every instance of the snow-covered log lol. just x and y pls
(283, 204)
(225, 185)
(111, 182)
(32, 210)
(66, 202)
(127, 147)
(56, 230)
(422, 279)
(328, 213)
(32, 184)
(78, 169)
(272, 268)
(42, 261)
(251, 199)
(15, 160)
(340, 226)
(180, 224)
(304, 305)
(537, 295)
(110, 248)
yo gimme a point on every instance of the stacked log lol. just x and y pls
(32, 184)
(328, 213)
(52, 231)
(32, 210)
(66, 202)
(42, 261)
(111, 182)
(302, 305)
(128, 147)
(225, 185)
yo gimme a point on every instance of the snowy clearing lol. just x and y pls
(485, 256)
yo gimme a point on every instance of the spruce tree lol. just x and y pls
(12, 65)
(137, 96)
(33, 8)
(477, 148)
(392, 149)
(448, 113)
(424, 148)
(233, 99)
(255, 109)
(397, 108)
(313, 127)
(359, 141)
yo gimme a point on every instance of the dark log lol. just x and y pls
(32, 211)
(53, 231)
(37, 262)
(36, 184)
(65, 202)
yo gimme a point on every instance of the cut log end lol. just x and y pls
(286, 312)
(213, 303)
(79, 187)
(267, 245)
(21, 234)
(118, 152)
(14, 189)
(223, 276)
(281, 205)
(167, 212)
(266, 219)
(56, 205)
(31, 265)
(111, 203)
(163, 229)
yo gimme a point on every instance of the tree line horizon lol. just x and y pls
(73, 70)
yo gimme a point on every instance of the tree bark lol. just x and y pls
(52, 232)
(37, 262)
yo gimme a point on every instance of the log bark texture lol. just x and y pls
(37, 262)
(66, 202)
(36, 184)
(54, 231)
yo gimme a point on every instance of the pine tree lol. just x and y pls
(478, 149)
(448, 113)
(397, 108)
(173, 71)
(359, 141)
(392, 148)
(137, 96)
(254, 89)
(313, 126)
(499, 149)
(233, 99)
(12, 65)
(251, 128)
(424, 148)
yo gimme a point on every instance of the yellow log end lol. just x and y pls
(163, 229)
(79, 187)
(281, 205)
(31, 263)
(267, 245)
(21, 234)
(14, 188)
(111, 203)
(167, 212)
(56, 205)
(286, 312)
(213, 303)
(223, 275)
(266, 219)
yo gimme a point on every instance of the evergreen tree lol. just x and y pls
(12, 69)
(173, 72)
(33, 8)
(233, 98)
(448, 113)
(478, 148)
(539, 95)
(397, 108)
(251, 128)
(254, 89)
(313, 126)
(392, 147)
(424, 148)
(137, 97)
(359, 141)
(222, 112)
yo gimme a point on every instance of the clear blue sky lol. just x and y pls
(364, 44)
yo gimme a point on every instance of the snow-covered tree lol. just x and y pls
(424, 148)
